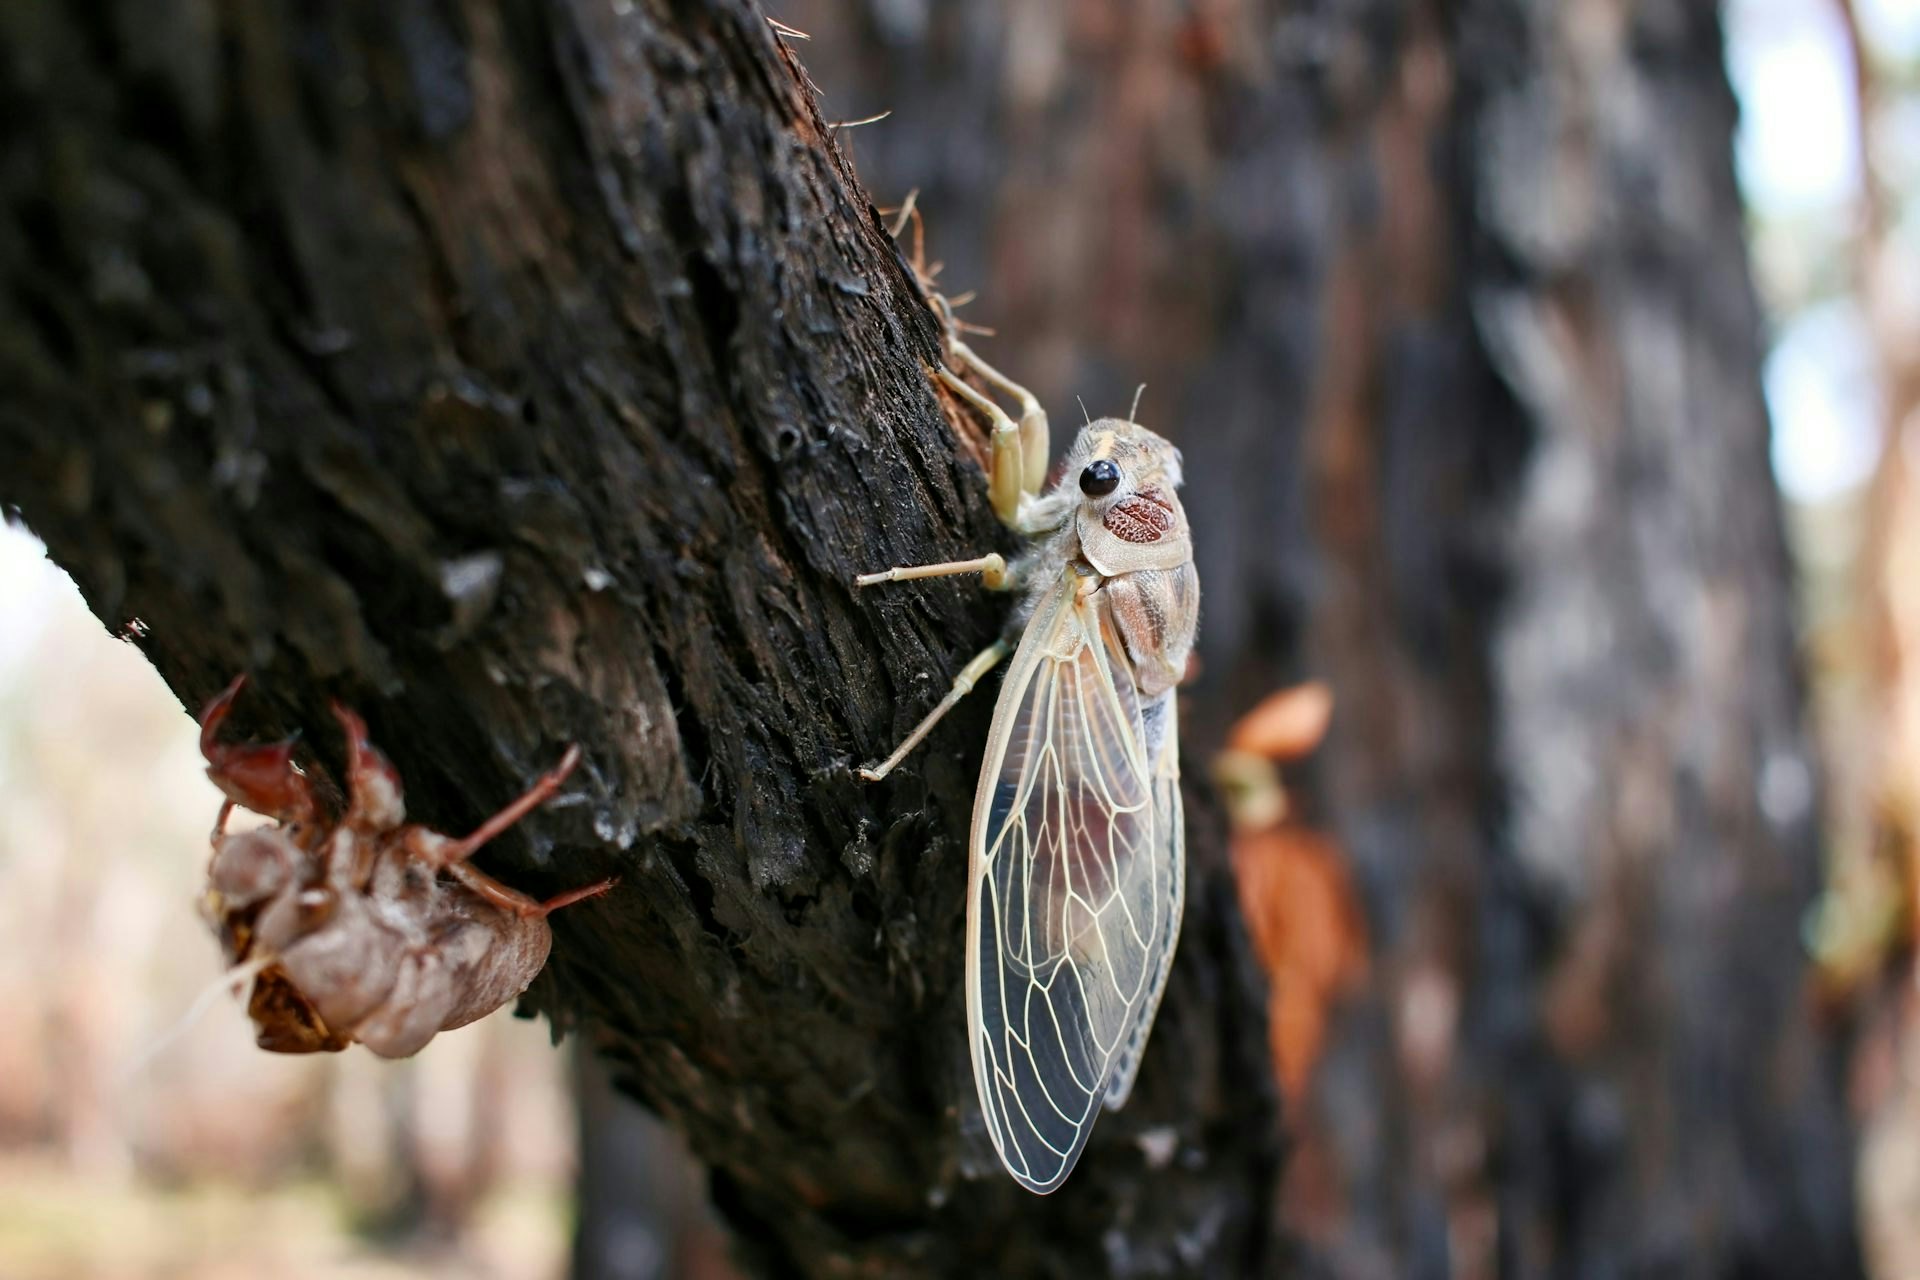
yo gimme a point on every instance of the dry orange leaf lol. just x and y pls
(1287, 725)
(1307, 930)
(1294, 890)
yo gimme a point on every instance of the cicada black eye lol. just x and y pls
(1099, 479)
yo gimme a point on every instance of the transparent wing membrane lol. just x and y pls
(1074, 896)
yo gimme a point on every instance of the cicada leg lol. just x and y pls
(1031, 434)
(991, 567)
(984, 661)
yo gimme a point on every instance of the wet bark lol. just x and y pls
(534, 372)
(1448, 306)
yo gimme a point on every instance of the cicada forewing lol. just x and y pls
(1074, 894)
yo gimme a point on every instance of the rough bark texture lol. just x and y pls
(1448, 306)
(532, 372)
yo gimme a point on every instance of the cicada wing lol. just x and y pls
(1072, 899)
(1170, 830)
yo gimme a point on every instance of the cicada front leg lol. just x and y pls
(1018, 462)
(1017, 469)
(1035, 437)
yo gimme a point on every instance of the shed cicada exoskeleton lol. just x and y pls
(1076, 865)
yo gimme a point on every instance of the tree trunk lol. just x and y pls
(1448, 307)
(534, 372)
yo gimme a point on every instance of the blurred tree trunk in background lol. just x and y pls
(535, 371)
(1448, 306)
(640, 1215)
(1871, 927)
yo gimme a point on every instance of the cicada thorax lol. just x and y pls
(1155, 613)
(1130, 551)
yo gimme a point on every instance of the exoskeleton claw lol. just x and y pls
(375, 799)
(262, 778)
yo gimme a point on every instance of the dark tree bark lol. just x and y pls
(1448, 306)
(533, 372)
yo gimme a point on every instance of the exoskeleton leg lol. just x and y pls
(508, 898)
(260, 777)
(451, 856)
(455, 851)
(984, 661)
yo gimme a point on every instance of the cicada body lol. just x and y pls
(1077, 851)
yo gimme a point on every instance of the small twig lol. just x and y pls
(855, 124)
(927, 275)
(907, 209)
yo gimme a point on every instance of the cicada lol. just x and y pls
(1076, 856)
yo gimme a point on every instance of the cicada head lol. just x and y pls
(1128, 518)
(1112, 458)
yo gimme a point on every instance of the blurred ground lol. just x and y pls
(60, 1223)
